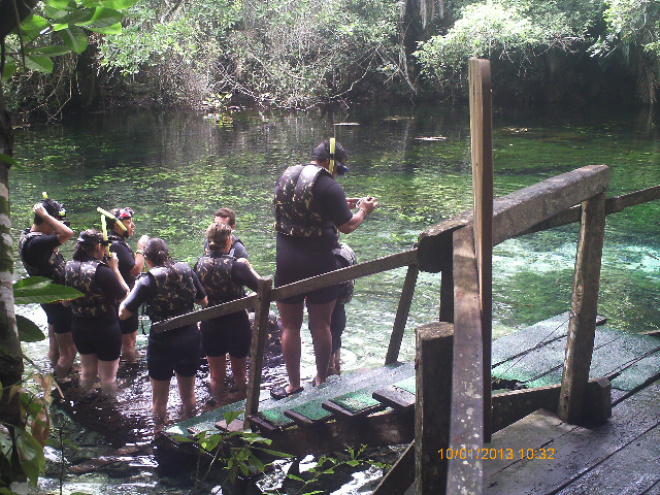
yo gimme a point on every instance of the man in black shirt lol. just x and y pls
(39, 249)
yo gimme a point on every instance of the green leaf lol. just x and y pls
(61, 4)
(41, 290)
(294, 477)
(31, 455)
(77, 17)
(32, 407)
(119, 4)
(55, 14)
(28, 331)
(231, 416)
(50, 51)
(6, 158)
(39, 64)
(75, 38)
(102, 18)
(34, 24)
(114, 29)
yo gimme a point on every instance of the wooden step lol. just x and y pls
(400, 396)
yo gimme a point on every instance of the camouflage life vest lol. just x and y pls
(347, 257)
(55, 265)
(81, 275)
(297, 213)
(214, 272)
(175, 292)
(116, 238)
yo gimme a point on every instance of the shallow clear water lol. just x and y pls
(176, 168)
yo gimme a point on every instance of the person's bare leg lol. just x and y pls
(53, 347)
(89, 364)
(218, 368)
(319, 323)
(187, 393)
(160, 390)
(239, 370)
(108, 375)
(128, 351)
(291, 316)
(67, 354)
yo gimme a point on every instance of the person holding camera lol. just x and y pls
(310, 207)
(40, 253)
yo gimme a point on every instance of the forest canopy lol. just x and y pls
(301, 53)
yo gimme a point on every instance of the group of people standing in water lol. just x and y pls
(101, 325)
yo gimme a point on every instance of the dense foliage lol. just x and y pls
(300, 53)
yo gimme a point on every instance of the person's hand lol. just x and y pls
(368, 204)
(352, 202)
(39, 210)
(142, 243)
(113, 261)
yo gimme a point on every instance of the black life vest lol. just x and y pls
(116, 238)
(297, 213)
(54, 266)
(214, 272)
(81, 275)
(175, 291)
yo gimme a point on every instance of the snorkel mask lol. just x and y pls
(341, 169)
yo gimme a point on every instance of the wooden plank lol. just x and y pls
(433, 385)
(447, 292)
(335, 277)
(402, 314)
(353, 405)
(577, 450)
(584, 307)
(467, 405)
(518, 211)
(258, 346)
(396, 398)
(481, 132)
(400, 476)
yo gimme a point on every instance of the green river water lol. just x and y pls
(176, 168)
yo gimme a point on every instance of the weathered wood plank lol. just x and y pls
(481, 133)
(400, 476)
(584, 308)
(577, 450)
(518, 211)
(467, 405)
(433, 386)
(258, 346)
(402, 314)
(396, 398)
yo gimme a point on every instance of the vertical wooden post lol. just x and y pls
(432, 412)
(481, 133)
(258, 346)
(402, 314)
(447, 294)
(584, 306)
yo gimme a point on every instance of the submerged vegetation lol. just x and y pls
(300, 53)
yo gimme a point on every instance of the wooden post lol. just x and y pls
(447, 294)
(258, 345)
(584, 306)
(402, 314)
(434, 386)
(481, 132)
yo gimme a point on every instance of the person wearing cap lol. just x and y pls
(131, 265)
(310, 207)
(228, 216)
(39, 250)
(169, 289)
(95, 326)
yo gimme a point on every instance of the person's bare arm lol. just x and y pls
(63, 232)
(367, 205)
(139, 256)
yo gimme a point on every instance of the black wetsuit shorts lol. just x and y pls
(100, 335)
(228, 334)
(174, 351)
(58, 316)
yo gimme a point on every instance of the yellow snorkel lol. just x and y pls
(331, 167)
(104, 227)
(111, 216)
(45, 195)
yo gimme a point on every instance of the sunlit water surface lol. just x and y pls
(176, 168)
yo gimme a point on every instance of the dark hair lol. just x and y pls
(158, 253)
(322, 152)
(88, 242)
(217, 235)
(53, 208)
(227, 213)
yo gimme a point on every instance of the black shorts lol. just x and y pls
(102, 339)
(58, 316)
(228, 334)
(337, 326)
(174, 351)
(298, 259)
(130, 325)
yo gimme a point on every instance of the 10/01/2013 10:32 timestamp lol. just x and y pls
(498, 454)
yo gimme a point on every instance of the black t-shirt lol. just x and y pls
(126, 261)
(145, 289)
(38, 249)
(242, 275)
